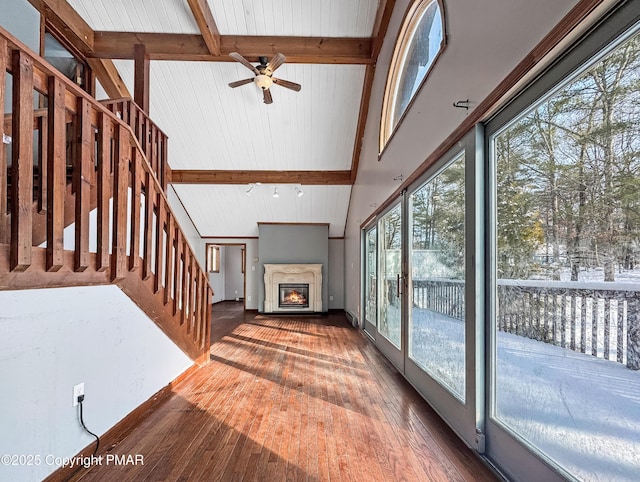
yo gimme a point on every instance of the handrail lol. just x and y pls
(153, 141)
(146, 254)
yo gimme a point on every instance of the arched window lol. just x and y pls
(421, 40)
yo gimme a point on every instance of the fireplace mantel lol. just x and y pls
(274, 274)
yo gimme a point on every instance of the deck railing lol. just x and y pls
(120, 227)
(601, 319)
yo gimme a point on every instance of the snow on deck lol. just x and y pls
(581, 411)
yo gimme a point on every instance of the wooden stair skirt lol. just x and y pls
(89, 170)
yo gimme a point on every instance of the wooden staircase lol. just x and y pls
(102, 169)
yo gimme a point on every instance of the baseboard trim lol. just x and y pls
(112, 437)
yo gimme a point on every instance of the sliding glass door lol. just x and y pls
(391, 286)
(370, 302)
(424, 319)
(437, 267)
(565, 370)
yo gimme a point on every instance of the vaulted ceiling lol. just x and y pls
(221, 140)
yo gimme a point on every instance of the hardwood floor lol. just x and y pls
(287, 398)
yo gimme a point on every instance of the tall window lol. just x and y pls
(567, 340)
(420, 41)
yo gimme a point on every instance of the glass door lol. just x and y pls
(371, 281)
(391, 285)
(444, 359)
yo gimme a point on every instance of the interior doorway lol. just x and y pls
(226, 263)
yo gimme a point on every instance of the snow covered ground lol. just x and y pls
(582, 412)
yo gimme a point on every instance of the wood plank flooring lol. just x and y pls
(292, 398)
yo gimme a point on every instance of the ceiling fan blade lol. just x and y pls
(238, 83)
(236, 56)
(266, 95)
(286, 83)
(277, 60)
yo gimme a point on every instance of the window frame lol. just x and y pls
(405, 38)
(212, 258)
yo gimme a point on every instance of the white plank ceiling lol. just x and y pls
(211, 126)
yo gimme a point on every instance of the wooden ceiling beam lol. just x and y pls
(109, 77)
(207, 25)
(362, 119)
(66, 22)
(191, 47)
(383, 17)
(179, 176)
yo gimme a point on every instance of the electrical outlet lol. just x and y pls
(78, 390)
(331, 298)
(248, 298)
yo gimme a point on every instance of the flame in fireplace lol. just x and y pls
(295, 298)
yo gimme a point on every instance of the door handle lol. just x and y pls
(398, 286)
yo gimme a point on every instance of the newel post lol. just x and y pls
(22, 163)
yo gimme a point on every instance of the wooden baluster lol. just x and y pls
(207, 320)
(149, 197)
(168, 273)
(164, 165)
(56, 174)
(203, 310)
(105, 154)
(186, 290)
(151, 153)
(192, 292)
(137, 172)
(157, 280)
(82, 186)
(177, 273)
(197, 304)
(184, 293)
(22, 163)
(120, 201)
(42, 163)
(126, 113)
(3, 150)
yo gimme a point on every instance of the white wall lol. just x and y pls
(53, 339)
(486, 40)
(188, 229)
(234, 278)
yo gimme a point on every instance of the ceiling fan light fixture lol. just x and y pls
(299, 192)
(263, 81)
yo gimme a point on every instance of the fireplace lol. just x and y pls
(293, 295)
(280, 280)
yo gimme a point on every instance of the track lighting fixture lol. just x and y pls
(275, 192)
(299, 192)
(250, 190)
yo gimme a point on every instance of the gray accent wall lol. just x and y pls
(294, 243)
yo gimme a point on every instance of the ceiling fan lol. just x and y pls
(264, 75)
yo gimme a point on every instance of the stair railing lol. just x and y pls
(107, 218)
